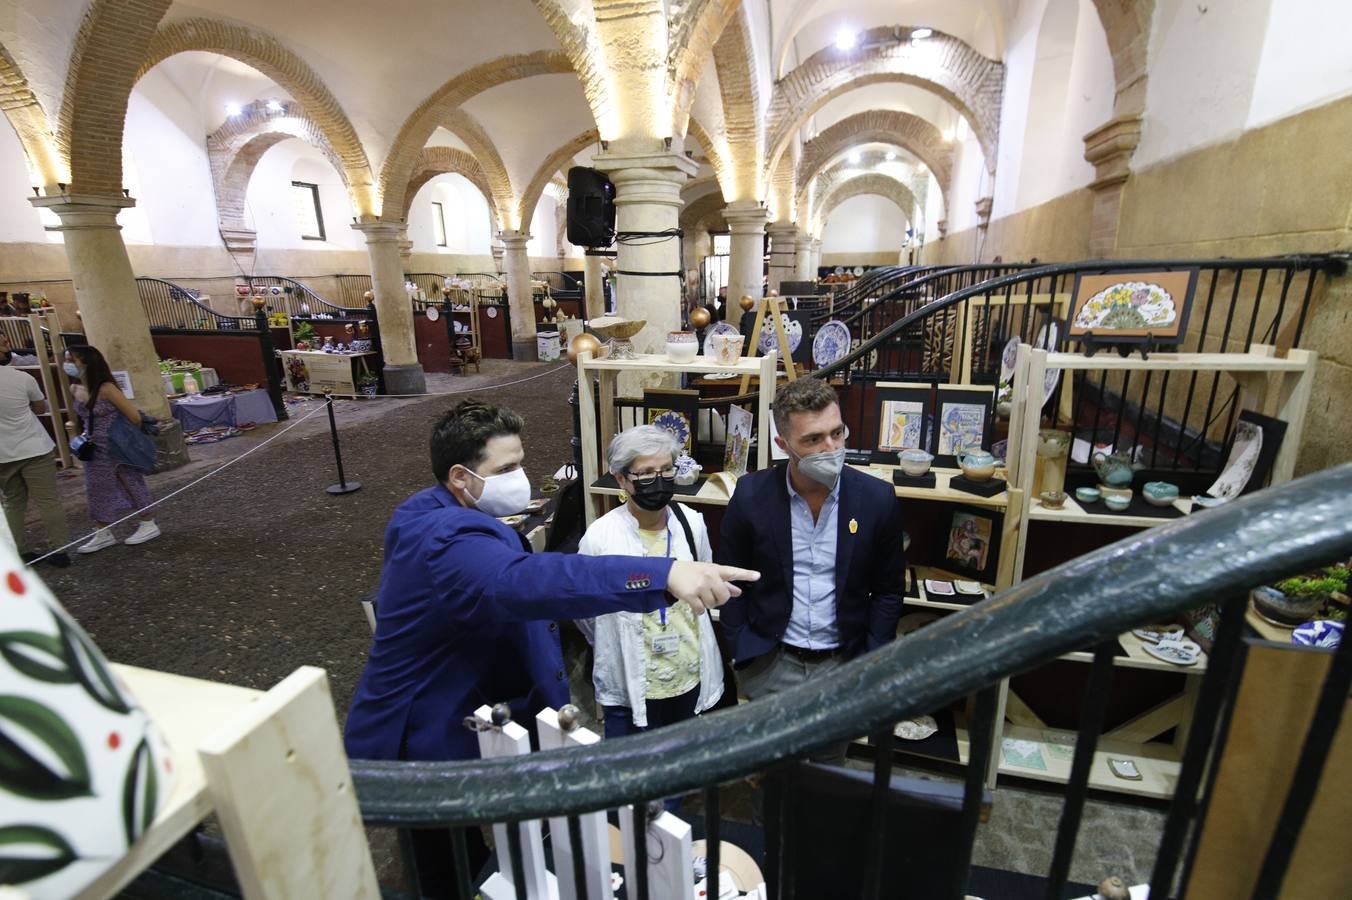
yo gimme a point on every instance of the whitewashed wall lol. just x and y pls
(864, 224)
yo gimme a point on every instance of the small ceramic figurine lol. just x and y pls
(1159, 493)
(915, 462)
(687, 470)
(977, 465)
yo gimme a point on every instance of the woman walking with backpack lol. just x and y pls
(112, 488)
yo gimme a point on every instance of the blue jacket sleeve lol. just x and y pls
(484, 580)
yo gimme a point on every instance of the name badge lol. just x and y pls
(663, 644)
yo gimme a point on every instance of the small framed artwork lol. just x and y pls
(1131, 307)
(738, 446)
(962, 421)
(904, 412)
(971, 545)
(1253, 450)
(674, 410)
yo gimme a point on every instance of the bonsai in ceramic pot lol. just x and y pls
(1292, 601)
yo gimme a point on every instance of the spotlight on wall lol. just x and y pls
(891, 155)
(920, 34)
(846, 39)
(126, 192)
(854, 157)
(233, 109)
(274, 106)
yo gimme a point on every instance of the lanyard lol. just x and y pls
(662, 612)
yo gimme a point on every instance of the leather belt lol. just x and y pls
(807, 655)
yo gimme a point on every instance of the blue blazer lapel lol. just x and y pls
(844, 539)
(780, 529)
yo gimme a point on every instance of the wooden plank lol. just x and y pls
(1174, 362)
(670, 874)
(1293, 406)
(651, 361)
(591, 454)
(1151, 723)
(279, 781)
(1277, 696)
(754, 349)
(513, 740)
(769, 384)
(595, 847)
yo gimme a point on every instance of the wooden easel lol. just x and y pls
(772, 305)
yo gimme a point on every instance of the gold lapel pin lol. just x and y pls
(854, 526)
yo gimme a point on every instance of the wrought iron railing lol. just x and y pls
(171, 305)
(1212, 556)
(350, 290)
(296, 299)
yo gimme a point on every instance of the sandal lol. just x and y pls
(1179, 652)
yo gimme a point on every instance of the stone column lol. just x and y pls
(403, 373)
(594, 284)
(816, 257)
(516, 269)
(803, 259)
(1109, 148)
(783, 248)
(746, 267)
(110, 306)
(648, 199)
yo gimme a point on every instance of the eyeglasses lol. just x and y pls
(647, 478)
(838, 435)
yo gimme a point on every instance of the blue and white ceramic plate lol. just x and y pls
(675, 423)
(722, 328)
(1319, 633)
(793, 330)
(831, 343)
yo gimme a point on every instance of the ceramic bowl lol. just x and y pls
(682, 346)
(1052, 499)
(915, 462)
(1087, 494)
(1159, 493)
(1116, 502)
(725, 348)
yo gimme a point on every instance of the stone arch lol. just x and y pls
(445, 101)
(718, 160)
(973, 84)
(501, 196)
(693, 34)
(901, 129)
(548, 170)
(235, 148)
(699, 211)
(447, 161)
(882, 185)
(583, 50)
(742, 125)
(113, 38)
(690, 187)
(20, 105)
(270, 56)
(1127, 26)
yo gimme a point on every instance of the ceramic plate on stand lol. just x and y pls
(1007, 358)
(938, 588)
(720, 376)
(831, 343)
(723, 328)
(1046, 340)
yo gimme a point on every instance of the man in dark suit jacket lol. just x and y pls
(827, 540)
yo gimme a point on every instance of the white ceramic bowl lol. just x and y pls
(683, 352)
(914, 462)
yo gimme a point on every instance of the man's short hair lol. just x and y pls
(461, 435)
(806, 394)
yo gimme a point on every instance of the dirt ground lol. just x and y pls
(259, 570)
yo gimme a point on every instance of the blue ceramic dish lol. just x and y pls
(1087, 494)
(1117, 502)
(1159, 493)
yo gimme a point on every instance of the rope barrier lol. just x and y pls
(326, 404)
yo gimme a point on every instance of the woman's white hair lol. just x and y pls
(641, 440)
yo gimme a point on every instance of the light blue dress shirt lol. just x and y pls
(812, 624)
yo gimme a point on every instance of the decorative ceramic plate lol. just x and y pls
(858, 270)
(939, 588)
(972, 588)
(1007, 358)
(675, 423)
(1128, 305)
(831, 343)
(839, 270)
(720, 376)
(916, 728)
(433, 314)
(793, 330)
(722, 328)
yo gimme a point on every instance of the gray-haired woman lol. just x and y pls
(651, 669)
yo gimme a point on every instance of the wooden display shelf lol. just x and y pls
(709, 494)
(920, 598)
(1178, 362)
(1074, 513)
(941, 490)
(645, 362)
(1138, 658)
(1265, 629)
(1158, 763)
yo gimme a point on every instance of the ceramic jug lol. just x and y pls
(1115, 470)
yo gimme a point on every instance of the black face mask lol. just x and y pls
(655, 494)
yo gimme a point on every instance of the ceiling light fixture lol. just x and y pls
(891, 155)
(846, 39)
(274, 106)
(919, 34)
(854, 158)
(233, 109)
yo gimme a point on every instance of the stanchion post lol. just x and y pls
(343, 486)
(270, 364)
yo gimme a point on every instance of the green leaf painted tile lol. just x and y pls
(23, 774)
(37, 655)
(86, 662)
(18, 867)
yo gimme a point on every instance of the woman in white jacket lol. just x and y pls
(651, 669)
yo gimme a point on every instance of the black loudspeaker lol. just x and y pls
(591, 208)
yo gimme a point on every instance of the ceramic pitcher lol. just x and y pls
(1115, 470)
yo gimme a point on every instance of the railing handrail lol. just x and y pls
(1216, 553)
(193, 295)
(305, 290)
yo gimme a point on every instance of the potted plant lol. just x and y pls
(368, 383)
(1314, 595)
(305, 336)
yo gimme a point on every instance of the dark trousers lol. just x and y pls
(619, 721)
(434, 858)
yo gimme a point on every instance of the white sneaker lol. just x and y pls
(146, 531)
(97, 542)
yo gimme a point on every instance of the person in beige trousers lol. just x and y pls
(28, 459)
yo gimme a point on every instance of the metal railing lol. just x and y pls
(296, 299)
(1214, 555)
(171, 305)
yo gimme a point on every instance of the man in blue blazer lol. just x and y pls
(827, 540)
(464, 611)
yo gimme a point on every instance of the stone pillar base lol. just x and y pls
(170, 450)
(405, 379)
(525, 351)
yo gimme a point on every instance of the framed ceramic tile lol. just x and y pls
(962, 421)
(1249, 458)
(1131, 307)
(904, 411)
(674, 410)
(971, 543)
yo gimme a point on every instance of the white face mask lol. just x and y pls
(503, 494)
